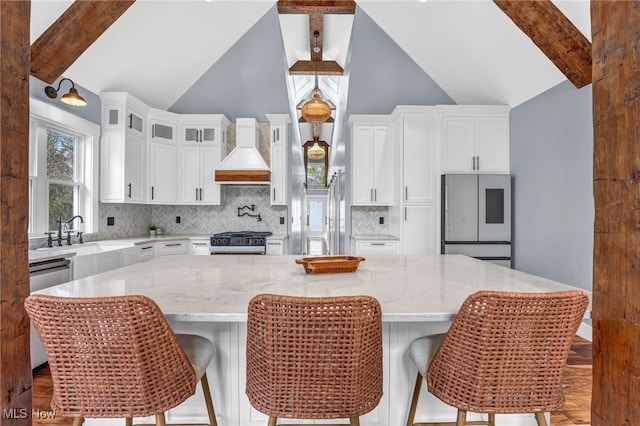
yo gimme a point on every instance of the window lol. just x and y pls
(63, 170)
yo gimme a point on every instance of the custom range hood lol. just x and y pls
(244, 165)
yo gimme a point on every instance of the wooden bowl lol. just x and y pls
(330, 264)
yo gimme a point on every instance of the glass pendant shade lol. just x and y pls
(316, 110)
(316, 152)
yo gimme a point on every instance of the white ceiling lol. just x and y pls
(160, 48)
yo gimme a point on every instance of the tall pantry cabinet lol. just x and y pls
(415, 134)
(123, 149)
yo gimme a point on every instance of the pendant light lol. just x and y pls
(316, 110)
(316, 152)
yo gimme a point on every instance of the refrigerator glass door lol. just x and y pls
(494, 209)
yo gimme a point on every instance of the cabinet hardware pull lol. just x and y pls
(196, 194)
(153, 131)
(146, 248)
(371, 194)
(200, 194)
(406, 193)
(375, 194)
(173, 245)
(478, 162)
(129, 189)
(405, 214)
(274, 194)
(274, 136)
(378, 244)
(152, 192)
(474, 162)
(278, 133)
(131, 121)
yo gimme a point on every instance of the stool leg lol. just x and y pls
(354, 421)
(414, 400)
(78, 421)
(492, 419)
(462, 418)
(208, 401)
(540, 419)
(128, 421)
(272, 421)
(160, 419)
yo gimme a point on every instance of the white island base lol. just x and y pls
(208, 295)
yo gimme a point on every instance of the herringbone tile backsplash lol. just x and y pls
(366, 220)
(132, 220)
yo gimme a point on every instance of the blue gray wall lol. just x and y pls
(381, 76)
(249, 80)
(552, 167)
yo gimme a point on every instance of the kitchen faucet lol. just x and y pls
(67, 231)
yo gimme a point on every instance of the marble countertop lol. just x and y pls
(218, 288)
(374, 237)
(44, 254)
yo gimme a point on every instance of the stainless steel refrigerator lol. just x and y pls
(476, 216)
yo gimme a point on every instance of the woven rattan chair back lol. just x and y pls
(314, 358)
(505, 352)
(110, 356)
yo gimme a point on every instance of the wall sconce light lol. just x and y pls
(72, 98)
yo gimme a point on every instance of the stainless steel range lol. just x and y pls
(243, 242)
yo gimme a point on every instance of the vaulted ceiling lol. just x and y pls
(472, 49)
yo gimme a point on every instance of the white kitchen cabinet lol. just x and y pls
(374, 247)
(277, 245)
(419, 158)
(145, 252)
(199, 246)
(166, 248)
(419, 229)
(279, 158)
(203, 145)
(197, 167)
(371, 160)
(163, 170)
(123, 156)
(475, 139)
(203, 129)
(162, 126)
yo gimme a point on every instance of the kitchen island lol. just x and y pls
(208, 295)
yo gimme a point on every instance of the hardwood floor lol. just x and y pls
(576, 410)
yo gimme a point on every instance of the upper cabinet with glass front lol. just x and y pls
(123, 154)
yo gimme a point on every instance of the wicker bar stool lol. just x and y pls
(314, 357)
(116, 357)
(503, 354)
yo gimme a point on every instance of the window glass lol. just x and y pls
(316, 173)
(61, 203)
(60, 156)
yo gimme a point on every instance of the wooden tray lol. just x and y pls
(330, 264)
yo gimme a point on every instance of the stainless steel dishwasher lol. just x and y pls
(44, 274)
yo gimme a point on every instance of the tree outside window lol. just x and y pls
(61, 165)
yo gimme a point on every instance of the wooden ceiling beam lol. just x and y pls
(71, 34)
(554, 34)
(316, 67)
(311, 7)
